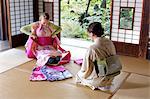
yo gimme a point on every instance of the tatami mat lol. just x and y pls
(135, 87)
(28, 66)
(118, 81)
(14, 84)
(135, 65)
(12, 58)
(73, 68)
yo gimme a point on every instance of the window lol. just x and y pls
(126, 18)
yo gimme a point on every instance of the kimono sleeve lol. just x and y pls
(88, 63)
(57, 29)
(56, 42)
(26, 29)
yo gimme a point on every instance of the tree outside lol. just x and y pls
(126, 17)
(76, 15)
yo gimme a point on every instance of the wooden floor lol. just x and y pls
(15, 84)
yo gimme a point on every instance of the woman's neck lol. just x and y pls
(94, 38)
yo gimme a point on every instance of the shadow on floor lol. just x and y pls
(131, 85)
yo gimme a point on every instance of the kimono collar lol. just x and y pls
(41, 26)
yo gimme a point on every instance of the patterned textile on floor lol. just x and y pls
(50, 73)
(78, 61)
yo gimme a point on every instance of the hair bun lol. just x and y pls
(45, 15)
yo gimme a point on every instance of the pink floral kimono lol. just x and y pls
(44, 46)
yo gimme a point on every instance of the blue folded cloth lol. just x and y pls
(53, 60)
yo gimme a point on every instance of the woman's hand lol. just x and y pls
(34, 37)
(34, 47)
(33, 31)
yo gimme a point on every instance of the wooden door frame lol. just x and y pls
(1, 28)
(35, 10)
(2, 20)
(8, 22)
(144, 30)
(59, 35)
(136, 50)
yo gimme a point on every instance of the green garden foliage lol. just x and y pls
(74, 19)
(126, 17)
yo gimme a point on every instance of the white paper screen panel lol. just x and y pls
(40, 6)
(123, 35)
(21, 13)
(56, 12)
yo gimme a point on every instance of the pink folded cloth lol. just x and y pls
(58, 68)
(37, 75)
(78, 61)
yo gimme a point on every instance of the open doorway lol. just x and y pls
(76, 15)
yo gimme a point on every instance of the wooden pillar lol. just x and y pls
(144, 29)
(35, 10)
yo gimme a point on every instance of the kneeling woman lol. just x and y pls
(46, 42)
(101, 49)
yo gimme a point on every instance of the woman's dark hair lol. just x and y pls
(45, 15)
(96, 28)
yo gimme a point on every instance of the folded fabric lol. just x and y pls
(37, 74)
(53, 60)
(98, 85)
(51, 73)
(78, 61)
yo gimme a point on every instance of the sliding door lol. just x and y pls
(20, 13)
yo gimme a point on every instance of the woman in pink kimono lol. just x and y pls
(90, 72)
(46, 42)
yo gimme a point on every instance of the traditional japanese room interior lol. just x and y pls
(132, 42)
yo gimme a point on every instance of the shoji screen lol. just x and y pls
(124, 35)
(40, 6)
(21, 13)
(56, 12)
